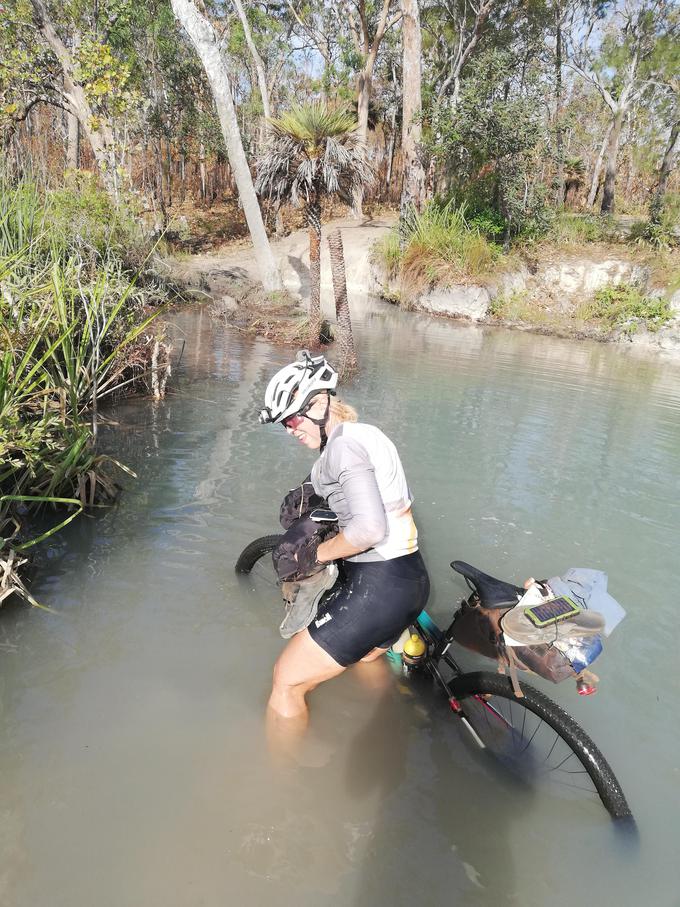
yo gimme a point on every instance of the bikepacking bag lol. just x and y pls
(562, 647)
(303, 535)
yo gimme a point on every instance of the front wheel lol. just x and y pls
(256, 550)
(533, 737)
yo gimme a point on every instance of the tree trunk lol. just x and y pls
(314, 224)
(364, 87)
(201, 171)
(160, 189)
(279, 227)
(608, 190)
(73, 126)
(559, 129)
(100, 136)
(413, 188)
(656, 207)
(347, 359)
(257, 59)
(595, 181)
(204, 39)
(390, 151)
(72, 142)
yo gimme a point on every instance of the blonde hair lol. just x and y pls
(340, 412)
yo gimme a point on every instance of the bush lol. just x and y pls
(73, 330)
(491, 143)
(438, 247)
(576, 229)
(624, 305)
(662, 230)
(488, 223)
(83, 216)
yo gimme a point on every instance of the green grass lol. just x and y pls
(388, 251)
(521, 306)
(625, 306)
(577, 229)
(73, 315)
(437, 248)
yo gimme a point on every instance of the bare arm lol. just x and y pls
(336, 548)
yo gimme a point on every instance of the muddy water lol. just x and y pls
(135, 769)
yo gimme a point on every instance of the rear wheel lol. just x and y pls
(534, 738)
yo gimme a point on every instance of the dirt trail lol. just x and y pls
(215, 272)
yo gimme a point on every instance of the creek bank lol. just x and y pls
(224, 275)
(545, 296)
(545, 292)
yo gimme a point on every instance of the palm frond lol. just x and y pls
(311, 124)
(313, 150)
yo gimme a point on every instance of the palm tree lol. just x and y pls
(313, 151)
(346, 360)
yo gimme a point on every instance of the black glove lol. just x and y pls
(295, 555)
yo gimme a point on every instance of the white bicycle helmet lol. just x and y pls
(292, 388)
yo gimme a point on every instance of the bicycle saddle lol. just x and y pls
(492, 592)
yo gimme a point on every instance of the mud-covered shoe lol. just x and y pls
(302, 598)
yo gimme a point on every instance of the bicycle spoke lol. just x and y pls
(521, 741)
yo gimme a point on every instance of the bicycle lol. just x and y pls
(529, 736)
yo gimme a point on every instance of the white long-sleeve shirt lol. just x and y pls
(361, 476)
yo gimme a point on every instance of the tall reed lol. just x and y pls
(72, 317)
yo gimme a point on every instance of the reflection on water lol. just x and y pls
(135, 767)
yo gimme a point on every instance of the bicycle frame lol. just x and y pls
(438, 650)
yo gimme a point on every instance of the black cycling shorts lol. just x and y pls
(376, 601)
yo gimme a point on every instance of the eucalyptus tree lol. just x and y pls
(667, 110)
(613, 47)
(204, 38)
(263, 39)
(413, 187)
(29, 72)
(368, 22)
(94, 82)
(667, 164)
(255, 54)
(313, 151)
(467, 23)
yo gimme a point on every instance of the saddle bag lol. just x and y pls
(481, 629)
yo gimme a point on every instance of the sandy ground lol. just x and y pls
(214, 272)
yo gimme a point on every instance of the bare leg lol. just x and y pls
(374, 674)
(374, 654)
(301, 666)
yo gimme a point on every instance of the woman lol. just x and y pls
(360, 475)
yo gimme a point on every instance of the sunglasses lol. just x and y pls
(292, 421)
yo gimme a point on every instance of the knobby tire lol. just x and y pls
(252, 553)
(482, 683)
